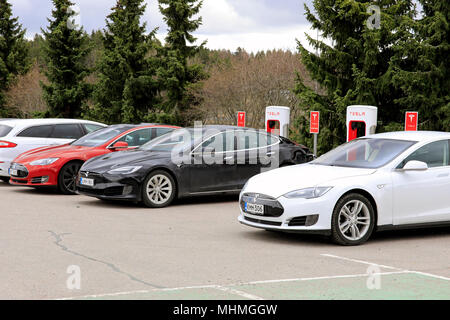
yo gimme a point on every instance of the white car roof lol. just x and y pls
(419, 136)
(28, 122)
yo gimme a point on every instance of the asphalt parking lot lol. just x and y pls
(196, 249)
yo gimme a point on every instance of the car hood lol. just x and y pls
(114, 160)
(50, 152)
(278, 182)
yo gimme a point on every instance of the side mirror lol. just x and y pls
(119, 145)
(414, 165)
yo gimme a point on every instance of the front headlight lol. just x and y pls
(125, 170)
(44, 162)
(308, 193)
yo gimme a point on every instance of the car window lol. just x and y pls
(435, 154)
(99, 137)
(37, 132)
(162, 131)
(266, 139)
(247, 139)
(364, 153)
(223, 142)
(67, 131)
(4, 130)
(137, 138)
(91, 127)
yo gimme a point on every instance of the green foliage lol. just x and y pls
(65, 51)
(13, 52)
(399, 66)
(424, 77)
(177, 77)
(127, 88)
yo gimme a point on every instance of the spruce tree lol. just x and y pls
(177, 76)
(65, 51)
(424, 76)
(127, 88)
(13, 51)
(355, 69)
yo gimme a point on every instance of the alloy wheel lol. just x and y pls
(354, 220)
(159, 189)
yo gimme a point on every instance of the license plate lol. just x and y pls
(254, 208)
(87, 182)
(13, 172)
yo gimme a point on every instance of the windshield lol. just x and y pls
(4, 130)
(99, 137)
(364, 153)
(177, 140)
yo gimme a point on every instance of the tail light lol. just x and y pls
(7, 144)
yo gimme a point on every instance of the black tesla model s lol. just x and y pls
(188, 162)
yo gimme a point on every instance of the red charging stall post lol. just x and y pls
(314, 127)
(411, 121)
(241, 119)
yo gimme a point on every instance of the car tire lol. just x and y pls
(159, 189)
(4, 179)
(353, 220)
(67, 178)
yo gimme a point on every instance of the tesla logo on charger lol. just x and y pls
(241, 119)
(358, 114)
(314, 122)
(411, 121)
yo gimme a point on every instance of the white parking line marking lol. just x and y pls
(361, 261)
(386, 267)
(239, 293)
(227, 287)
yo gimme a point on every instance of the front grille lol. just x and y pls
(98, 178)
(109, 192)
(272, 208)
(298, 222)
(19, 181)
(22, 171)
(270, 223)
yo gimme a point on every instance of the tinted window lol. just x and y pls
(91, 127)
(435, 154)
(137, 138)
(219, 143)
(37, 132)
(4, 130)
(178, 140)
(364, 153)
(162, 131)
(67, 131)
(99, 137)
(247, 139)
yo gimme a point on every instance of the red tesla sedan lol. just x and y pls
(59, 166)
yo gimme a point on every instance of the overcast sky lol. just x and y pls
(227, 24)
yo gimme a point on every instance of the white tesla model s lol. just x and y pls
(381, 181)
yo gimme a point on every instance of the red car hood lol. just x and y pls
(63, 151)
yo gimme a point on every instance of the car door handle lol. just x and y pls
(228, 158)
(271, 153)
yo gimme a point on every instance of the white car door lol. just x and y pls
(424, 196)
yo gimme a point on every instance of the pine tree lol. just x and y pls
(424, 77)
(127, 88)
(355, 69)
(65, 51)
(177, 76)
(13, 51)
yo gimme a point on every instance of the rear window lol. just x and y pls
(4, 130)
(67, 131)
(37, 132)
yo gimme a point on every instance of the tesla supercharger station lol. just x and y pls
(361, 121)
(277, 120)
